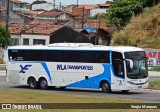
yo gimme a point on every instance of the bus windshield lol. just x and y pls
(139, 69)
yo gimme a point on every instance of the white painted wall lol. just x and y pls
(63, 16)
(45, 6)
(31, 37)
(93, 12)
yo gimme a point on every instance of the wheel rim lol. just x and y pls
(105, 87)
(43, 83)
(32, 83)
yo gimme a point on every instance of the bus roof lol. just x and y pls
(76, 46)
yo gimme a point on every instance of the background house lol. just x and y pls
(44, 6)
(67, 34)
(54, 14)
(102, 8)
(33, 33)
(82, 11)
(16, 5)
(19, 11)
(69, 8)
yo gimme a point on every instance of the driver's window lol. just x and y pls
(117, 62)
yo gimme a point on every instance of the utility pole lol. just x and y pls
(99, 21)
(77, 3)
(0, 8)
(7, 22)
(54, 4)
(60, 5)
(83, 17)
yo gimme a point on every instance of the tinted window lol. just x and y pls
(60, 56)
(117, 62)
(135, 55)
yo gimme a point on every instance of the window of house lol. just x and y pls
(39, 42)
(25, 41)
(14, 41)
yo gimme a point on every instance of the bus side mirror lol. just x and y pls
(129, 64)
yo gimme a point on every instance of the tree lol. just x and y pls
(2, 36)
(39, 2)
(121, 11)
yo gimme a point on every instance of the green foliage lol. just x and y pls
(156, 68)
(2, 36)
(39, 2)
(122, 10)
(143, 30)
(109, 2)
(154, 85)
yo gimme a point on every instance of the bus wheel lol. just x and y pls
(32, 83)
(106, 87)
(63, 87)
(43, 83)
(125, 91)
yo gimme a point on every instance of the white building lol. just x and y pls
(34, 32)
(94, 12)
(44, 6)
(28, 39)
(102, 8)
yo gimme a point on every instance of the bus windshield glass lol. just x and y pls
(139, 65)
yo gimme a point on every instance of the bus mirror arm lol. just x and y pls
(129, 64)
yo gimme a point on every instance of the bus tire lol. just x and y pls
(125, 91)
(43, 84)
(32, 83)
(63, 87)
(105, 87)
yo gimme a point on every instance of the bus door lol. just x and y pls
(118, 71)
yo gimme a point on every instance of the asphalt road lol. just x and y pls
(146, 95)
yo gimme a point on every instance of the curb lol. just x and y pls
(153, 73)
(2, 73)
(151, 90)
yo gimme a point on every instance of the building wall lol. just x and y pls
(64, 17)
(78, 12)
(3, 3)
(14, 39)
(93, 12)
(14, 18)
(32, 37)
(60, 17)
(44, 6)
(69, 8)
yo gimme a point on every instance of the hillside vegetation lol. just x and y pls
(142, 31)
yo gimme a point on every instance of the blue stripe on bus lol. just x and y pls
(46, 69)
(93, 82)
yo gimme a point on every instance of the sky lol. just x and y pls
(69, 2)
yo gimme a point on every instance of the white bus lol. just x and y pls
(79, 65)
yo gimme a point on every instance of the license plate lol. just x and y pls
(139, 86)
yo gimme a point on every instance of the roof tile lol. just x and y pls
(50, 14)
(37, 27)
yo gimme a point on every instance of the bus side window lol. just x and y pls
(14, 55)
(102, 57)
